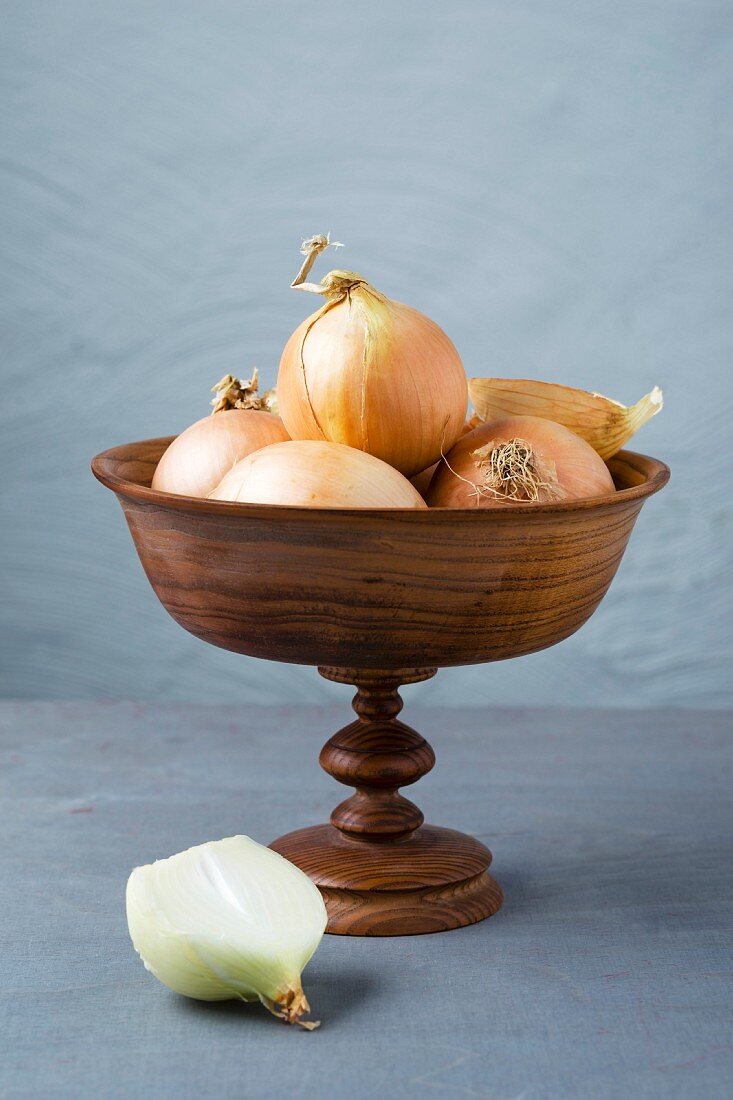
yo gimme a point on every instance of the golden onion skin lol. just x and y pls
(561, 454)
(309, 473)
(197, 459)
(376, 375)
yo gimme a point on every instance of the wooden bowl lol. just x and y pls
(380, 598)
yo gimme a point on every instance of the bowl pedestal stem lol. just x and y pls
(382, 872)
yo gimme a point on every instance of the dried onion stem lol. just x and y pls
(234, 393)
(291, 1007)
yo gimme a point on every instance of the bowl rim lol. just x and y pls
(656, 473)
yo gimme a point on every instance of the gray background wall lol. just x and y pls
(550, 182)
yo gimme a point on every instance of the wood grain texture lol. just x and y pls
(381, 872)
(377, 589)
(373, 889)
(380, 598)
(377, 755)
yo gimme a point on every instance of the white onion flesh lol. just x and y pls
(230, 919)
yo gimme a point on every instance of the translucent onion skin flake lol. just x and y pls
(604, 423)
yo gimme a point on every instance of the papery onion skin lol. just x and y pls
(560, 455)
(376, 375)
(197, 459)
(604, 423)
(312, 474)
(227, 920)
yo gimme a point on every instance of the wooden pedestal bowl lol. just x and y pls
(378, 599)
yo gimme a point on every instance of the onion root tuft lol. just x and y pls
(510, 470)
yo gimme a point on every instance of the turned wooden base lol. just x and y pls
(432, 881)
(381, 871)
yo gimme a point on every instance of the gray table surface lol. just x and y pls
(606, 974)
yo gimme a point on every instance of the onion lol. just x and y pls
(312, 474)
(228, 920)
(371, 373)
(198, 458)
(516, 460)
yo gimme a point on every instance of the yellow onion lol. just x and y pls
(197, 459)
(604, 423)
(313, 474)
(371, 373)
(517, 460)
